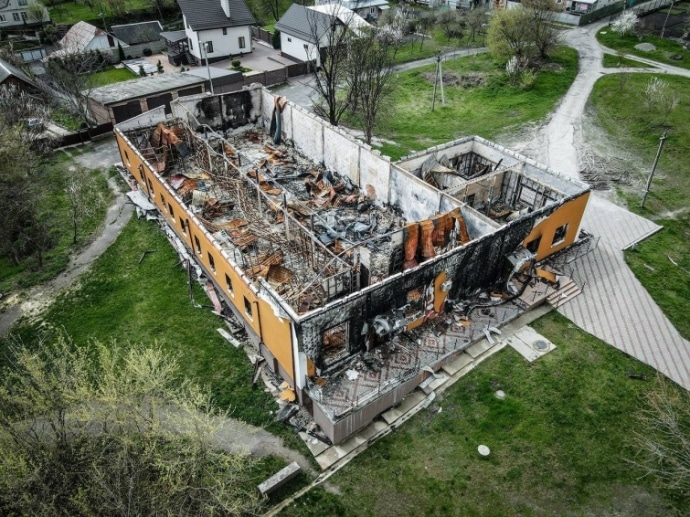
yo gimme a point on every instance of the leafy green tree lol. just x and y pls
(509, 34)
(112, 430)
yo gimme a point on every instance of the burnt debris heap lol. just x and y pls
(354, 277)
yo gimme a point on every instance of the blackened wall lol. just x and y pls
(479, 264)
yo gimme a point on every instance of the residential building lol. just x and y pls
(83, 37)
(15, 13)
(11, 75)
(305, 30)
(367, 9)
(216, 29)
(140, 38)
(355, 278)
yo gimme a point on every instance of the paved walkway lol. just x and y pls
(614, 306)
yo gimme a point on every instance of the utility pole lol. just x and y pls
(663, 29)
(651, 174)
(439, 76)
(208, 68)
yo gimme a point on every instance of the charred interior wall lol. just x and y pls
(376, 176)
(222, 112)
(478, 264)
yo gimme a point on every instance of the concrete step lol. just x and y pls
(567, 292)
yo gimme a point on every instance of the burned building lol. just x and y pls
(355, 277)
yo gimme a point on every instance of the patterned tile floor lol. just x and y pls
(390, 366)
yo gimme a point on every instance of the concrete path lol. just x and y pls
(614, 306)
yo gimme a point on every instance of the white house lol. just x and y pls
(217, 28)
(14, 13)
(84, 37)
(303, 29)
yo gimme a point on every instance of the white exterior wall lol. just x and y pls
(293, 46)
(101, 43)
(224, 45)
(13, 7)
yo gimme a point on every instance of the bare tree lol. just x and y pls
(370, 76)
(83, 200)
(451, 23)
(663, 436)
(424, 25)
(331, 31)
(476, 19)
(544, 33)
(73, 76)
(270, 8)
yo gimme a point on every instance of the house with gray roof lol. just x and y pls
(140, 36)
(217, 29)
(11, 75)
(304, 30)
(114, 103)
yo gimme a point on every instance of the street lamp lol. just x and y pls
(204, 44)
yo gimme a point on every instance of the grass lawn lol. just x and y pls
(633, 126)
(559, 443)
(126, 301)
(669, 284)
(72, 12)
(55, 202)
(433, 44)
(664, 47)
(612, 61)
(486, 110)
(112, 75)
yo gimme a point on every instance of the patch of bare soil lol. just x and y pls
(604, 164)
(468, 80)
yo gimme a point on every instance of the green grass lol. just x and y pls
(55, 202)
(73, 12)
(615, 61)
(487, 110)
(112, 75)
(634, 127)
(432, 45)
(664, 47)
(560, 443)
(121, 299)
(668, 284)
(65, 119)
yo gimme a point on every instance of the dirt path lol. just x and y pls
(234, 435)
(101, 154)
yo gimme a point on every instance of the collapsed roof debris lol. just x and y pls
(355, 278)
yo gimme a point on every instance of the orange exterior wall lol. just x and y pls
(275, 332)
(569, 213)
